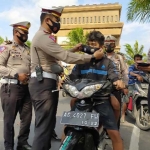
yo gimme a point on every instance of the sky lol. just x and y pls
(12, 11)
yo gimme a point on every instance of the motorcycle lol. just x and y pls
(82, 122)
(138, 104)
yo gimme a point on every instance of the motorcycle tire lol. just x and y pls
(138, 118)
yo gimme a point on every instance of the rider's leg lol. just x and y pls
(72, 102)
(116, 106)
(124, 109)
(116, 139)
(107, 118)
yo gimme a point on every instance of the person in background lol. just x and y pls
(134, 77)
(15, 70)
(121, 70)
(147, 71)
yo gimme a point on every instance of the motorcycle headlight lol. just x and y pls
(88, 91)
(72, 90)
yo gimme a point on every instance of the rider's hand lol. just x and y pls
(119, 84)
(139, 78)
(23, 77)
(99, 54)
(125, 91)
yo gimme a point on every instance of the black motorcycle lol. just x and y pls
(82, 121)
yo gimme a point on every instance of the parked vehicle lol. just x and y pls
(138, 104)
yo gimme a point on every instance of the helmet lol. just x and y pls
(110, 43)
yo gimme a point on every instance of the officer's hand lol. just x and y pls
(125, 91)
(99, 54)
(119, 84)
(78, 47)
(139, 78)
(23, 77)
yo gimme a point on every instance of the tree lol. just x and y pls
(131, 51)
(75, 36)
(1, 40)
(139, 10)
(28, 43)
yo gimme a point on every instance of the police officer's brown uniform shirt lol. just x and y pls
(14, 59)
(121, 66)
(50, 52)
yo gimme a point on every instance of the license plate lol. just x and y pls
(80, 119)
(145, 86)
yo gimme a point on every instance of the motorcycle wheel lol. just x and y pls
(142, 122)
(64, 94)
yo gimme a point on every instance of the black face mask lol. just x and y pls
(89, 49)
(22, 37)
(109, 49)
(55, 26)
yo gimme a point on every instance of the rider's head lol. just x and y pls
(95, 39)
(110, 43)
(137, 57)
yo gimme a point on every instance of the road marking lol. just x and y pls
(134, 143)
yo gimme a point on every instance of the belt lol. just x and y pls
(8, 81)
(45, 75)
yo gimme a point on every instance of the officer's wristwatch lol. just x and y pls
(16, 76)
(93, 59)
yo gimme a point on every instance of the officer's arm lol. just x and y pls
(112, 72)
(4, 55)
(124, 70)
(55, 50)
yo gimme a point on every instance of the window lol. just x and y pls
(64, 21)
(116, 18)
(67, 20)
(95, 19)
(83, 20)
(103, 18)
(75, 20)
(79, 19)
(87, 19)
(71, 20)
(111, 18)
(91, 20)
(99, 19)
(107, 18)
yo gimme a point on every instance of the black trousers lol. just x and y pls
(14, 99)
(45, 105)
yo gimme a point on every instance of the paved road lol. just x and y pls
(133, 138)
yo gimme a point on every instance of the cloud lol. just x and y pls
(136, 31)
(29, 10)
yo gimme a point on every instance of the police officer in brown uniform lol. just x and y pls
(45, 52)
(14, 71)
(121, 70)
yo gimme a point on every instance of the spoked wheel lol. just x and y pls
(142, 121)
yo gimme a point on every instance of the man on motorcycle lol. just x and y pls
(134, 77)
(147, 70)
(103, 70)
(122, 71)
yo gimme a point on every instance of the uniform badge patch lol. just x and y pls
(2, 48)
(53, 38)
